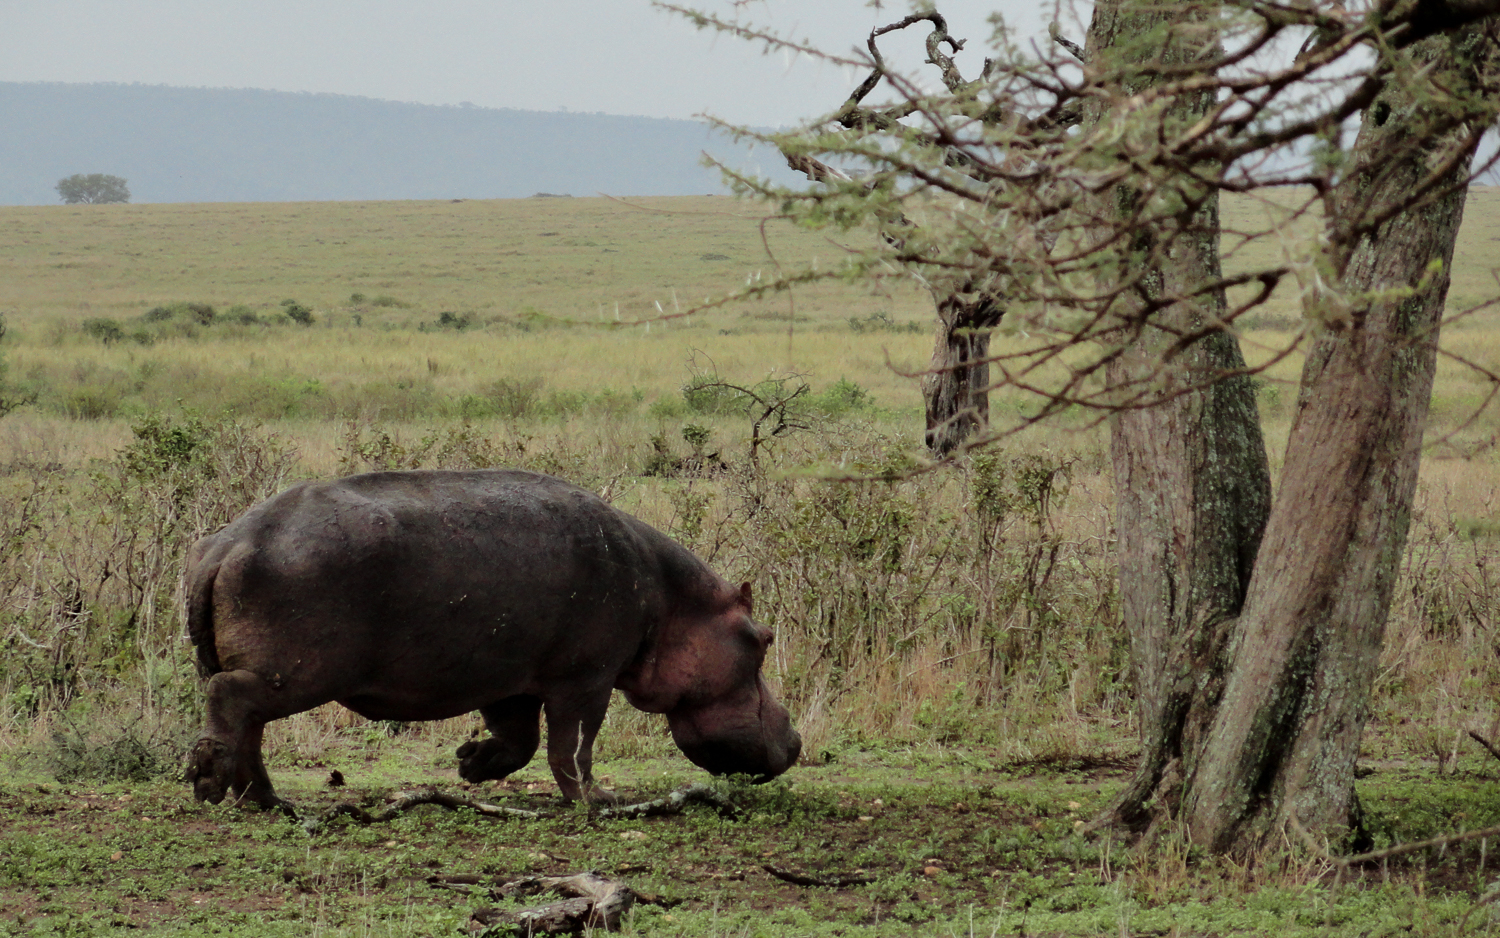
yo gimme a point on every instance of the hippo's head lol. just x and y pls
(704, 674)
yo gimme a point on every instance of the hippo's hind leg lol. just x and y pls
(515, 732)
(227, 759)
(572, 725)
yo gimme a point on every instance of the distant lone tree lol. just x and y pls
(92, 189)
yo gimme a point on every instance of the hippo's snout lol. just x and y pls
(790, 753)
(750, 737)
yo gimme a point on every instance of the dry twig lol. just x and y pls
(402, 801)
(809, 879)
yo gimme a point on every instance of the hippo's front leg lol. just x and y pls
(572, 725)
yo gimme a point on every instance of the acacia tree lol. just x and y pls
(1255, 624)
(92, 189)
(955, 388)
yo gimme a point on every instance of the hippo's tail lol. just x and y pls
(199, 587)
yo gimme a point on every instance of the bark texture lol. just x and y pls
(1191, 478)
(956, 386)
(1285, 737)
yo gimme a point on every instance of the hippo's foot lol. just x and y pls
(210, 766)
(588, 792)
(601, 796)
(493, 758)
(215, 772)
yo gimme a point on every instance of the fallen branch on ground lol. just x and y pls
(594, 901)
(403, 801)
(672, 804)
(809, 879)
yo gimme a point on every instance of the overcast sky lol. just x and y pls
(614, 56)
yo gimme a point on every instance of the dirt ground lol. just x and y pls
(947, 843)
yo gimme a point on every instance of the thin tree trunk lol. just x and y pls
(1286, 735)
(956, 386)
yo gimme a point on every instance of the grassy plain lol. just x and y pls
(946, 643)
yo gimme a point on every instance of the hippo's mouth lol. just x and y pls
(730, 757)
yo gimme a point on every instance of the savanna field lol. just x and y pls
(946, 640)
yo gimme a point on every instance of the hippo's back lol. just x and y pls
(443, 587)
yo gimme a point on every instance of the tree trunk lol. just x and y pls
(1254, 669)
(956, 386)
(1284, 740)
(1192, 483)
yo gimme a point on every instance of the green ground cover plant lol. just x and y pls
(946, 639)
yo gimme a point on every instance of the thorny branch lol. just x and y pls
(984, 184)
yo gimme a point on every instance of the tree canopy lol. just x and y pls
(92, 189)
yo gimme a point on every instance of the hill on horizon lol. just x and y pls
(244, 145)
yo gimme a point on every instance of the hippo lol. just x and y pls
(424, 595)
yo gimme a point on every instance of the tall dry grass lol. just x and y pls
(939, 608)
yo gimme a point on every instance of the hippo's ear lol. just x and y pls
(745, 599)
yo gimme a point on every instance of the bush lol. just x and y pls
(515, 398)
(460, 447)
(841, 397)
(707, 394)
(107, 331)
(109, 750)
(297, 313)
(881, 322)
(93, 402)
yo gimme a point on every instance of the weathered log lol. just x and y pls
(595, 901)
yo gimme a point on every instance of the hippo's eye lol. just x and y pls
(760, 636)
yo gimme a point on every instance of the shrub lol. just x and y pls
(707, 394)
(115, 750)
(460, 447)
(107, 331)
(92, 402)
(297, 313)
(881, 322)
(515, 398)
(841, 397)
(667, 408)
